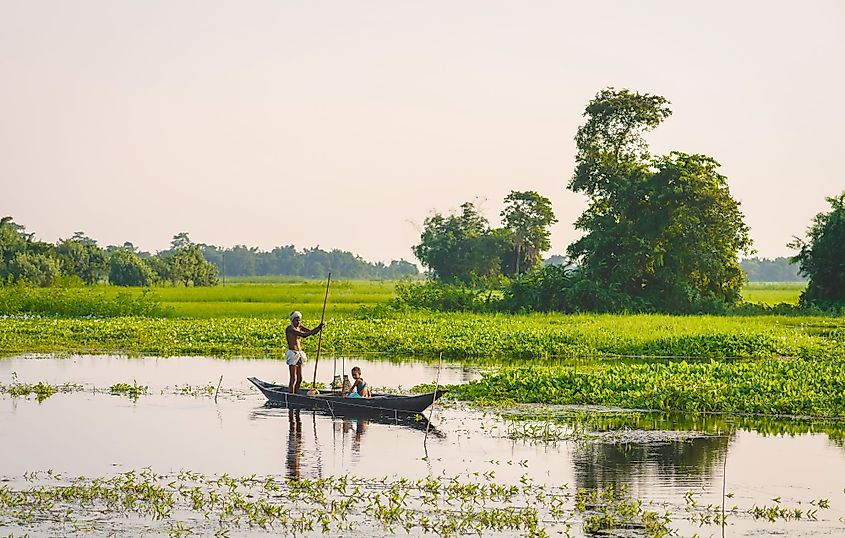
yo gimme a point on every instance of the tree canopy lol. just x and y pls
(660, 232)
(527, 216)
(821, 256)
(464, 248)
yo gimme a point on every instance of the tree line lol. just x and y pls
(27, 260)
(660, 233)
(780, 269)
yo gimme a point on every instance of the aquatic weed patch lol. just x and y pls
(473, 336)
(763, 386)
(188, 503)
(191, 503)
(40, 390)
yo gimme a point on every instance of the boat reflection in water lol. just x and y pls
(318, 442)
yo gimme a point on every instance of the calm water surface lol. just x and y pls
(658, 458)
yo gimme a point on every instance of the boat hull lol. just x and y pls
(382, 404)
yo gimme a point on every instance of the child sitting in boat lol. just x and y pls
(359, 387)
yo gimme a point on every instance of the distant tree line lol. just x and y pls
(660, 233)
(780, 269)
(309, 263)
(79, 258)
(24, 259)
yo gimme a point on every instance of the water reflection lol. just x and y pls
(294, 452)
(312, 435)
(675, 462)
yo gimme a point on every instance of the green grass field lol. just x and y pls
(269, 300)
(771, 293)
(277, 298)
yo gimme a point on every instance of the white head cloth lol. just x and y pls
(295, 314)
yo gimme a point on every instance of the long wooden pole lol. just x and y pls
(320, 340)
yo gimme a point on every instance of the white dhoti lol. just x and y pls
(295, 357)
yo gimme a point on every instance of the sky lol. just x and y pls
(345, 124)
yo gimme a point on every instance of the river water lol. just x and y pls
(663, 460)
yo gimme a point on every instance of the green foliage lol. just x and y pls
(34, 268)
(434, 295)
(527, 216)
(188, 266)
(129, 269)
(243, 261)
(462, 248)
(485, 337)
(24, 300)
(545, 289)
(766, 386)
(663, 231)
(822, 257)
(81, 256)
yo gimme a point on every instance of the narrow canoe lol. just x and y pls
(334, 403)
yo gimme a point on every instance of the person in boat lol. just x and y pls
(294, 333)
(359, 387)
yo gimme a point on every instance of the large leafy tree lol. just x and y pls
(189, 267)
(462, 247)
(659, 232)
(527, 216)
(13, 240)
(81, 256)
(821, 257)
(34, 268)
(128, 269)
(23, 258)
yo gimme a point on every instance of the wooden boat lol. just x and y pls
(385, 404)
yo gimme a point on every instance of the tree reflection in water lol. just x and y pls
(619, 458)
(675, 462)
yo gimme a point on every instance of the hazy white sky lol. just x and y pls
(344, 124)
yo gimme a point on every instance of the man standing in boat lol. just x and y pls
(294, 333)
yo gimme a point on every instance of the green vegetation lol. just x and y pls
(766, 386)
(464, 249)
(23, 300)
(41, 390)
(133, 391)
(249, 319)
(661, 233)
(465, 335)
(822, 257)
(191, 503)
(773, 293)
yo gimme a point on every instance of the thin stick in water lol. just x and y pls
(433, 400)
(218, 389)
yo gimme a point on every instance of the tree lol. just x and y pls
(180, 241)
(34, 268)
(821, 257)
(664, 232)
(127, 269)
(13, 240)
(81, 256)
(189, 267)
(461, 248)
(528, 215)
